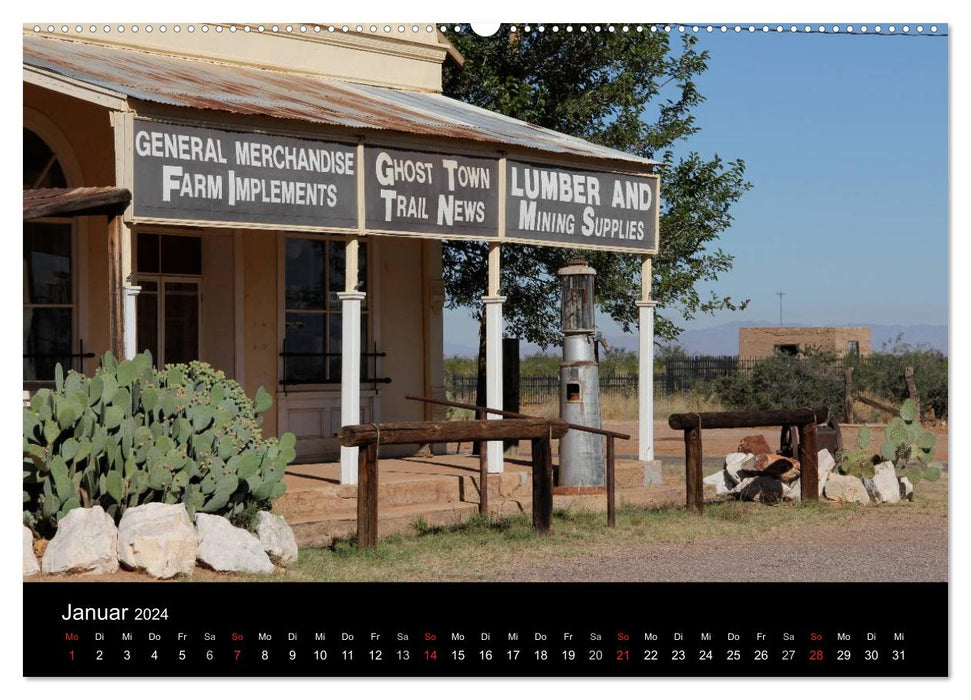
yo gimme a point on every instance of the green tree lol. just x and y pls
(626, 90)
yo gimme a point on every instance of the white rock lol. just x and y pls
(31, 566)
(845, 488)
(826, 464)
(886, 488)
(226, 548)
(276, 537)
(792, 491)
(736, 461)
(906, 489)
(157, 538)
(86, 542)
(720, 480)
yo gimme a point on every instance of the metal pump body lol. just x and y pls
(581, 453)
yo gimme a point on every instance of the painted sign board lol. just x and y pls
(199, 174)
(190, 174)
(584, 208)
(437, 194)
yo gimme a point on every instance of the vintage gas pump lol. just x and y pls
(581, 453)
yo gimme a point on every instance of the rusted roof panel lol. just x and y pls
(74, 201)
(248, 90)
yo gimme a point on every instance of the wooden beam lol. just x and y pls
(748, 419)
(693, 476)
(417, 433)
(542, 484)
(876, 404)
(808, 463)
(367, 497)
(116, 290)
(611, 484)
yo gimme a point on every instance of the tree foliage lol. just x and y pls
(630, 91)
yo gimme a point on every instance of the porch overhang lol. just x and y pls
(75, 201)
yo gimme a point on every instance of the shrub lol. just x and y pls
(882, 374)
(784, 382)
(131, 435)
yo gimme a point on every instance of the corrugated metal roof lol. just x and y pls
(77, 201)
(240, 89)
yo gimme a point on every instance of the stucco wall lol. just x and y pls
(754, 343)
(260, 342)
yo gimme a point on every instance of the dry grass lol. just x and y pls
(616, 406)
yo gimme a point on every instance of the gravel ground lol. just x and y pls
(879, 548)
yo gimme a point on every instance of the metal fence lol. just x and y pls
(672, 376)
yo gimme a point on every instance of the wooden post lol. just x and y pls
(116, 290)
(367, 496)
(912, 390)
(692, 465)
(848, 395)
(483, 470)
(611, 484)
(808, 463)
(542, 485)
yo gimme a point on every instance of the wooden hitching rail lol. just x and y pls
(480, 414)
(805, 420)
(369, 436)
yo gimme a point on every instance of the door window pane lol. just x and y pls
(47, 341)
(305, 334)
(47, 263)
(181, 330)
(314, 279)
(305, 273)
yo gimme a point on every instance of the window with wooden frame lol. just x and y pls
(313, 278)
(169, 272)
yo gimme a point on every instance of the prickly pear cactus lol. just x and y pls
(858, 462)
(132, 434)
(909, 446)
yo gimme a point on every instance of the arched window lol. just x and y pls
(48, 272)
(41, 168)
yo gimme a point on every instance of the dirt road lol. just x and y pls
(881, 544)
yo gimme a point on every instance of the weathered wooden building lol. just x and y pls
(273, 202)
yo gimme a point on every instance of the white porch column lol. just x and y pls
(645, 381)
(129, 321)
(351, 300)
(493, 311)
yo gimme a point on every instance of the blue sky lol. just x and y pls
(845, 142)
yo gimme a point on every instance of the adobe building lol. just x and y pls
(273, 200)
(758, 343)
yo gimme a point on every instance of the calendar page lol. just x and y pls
(411, 349)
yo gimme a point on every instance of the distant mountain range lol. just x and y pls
(723, 339)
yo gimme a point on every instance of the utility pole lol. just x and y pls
(781, 294)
